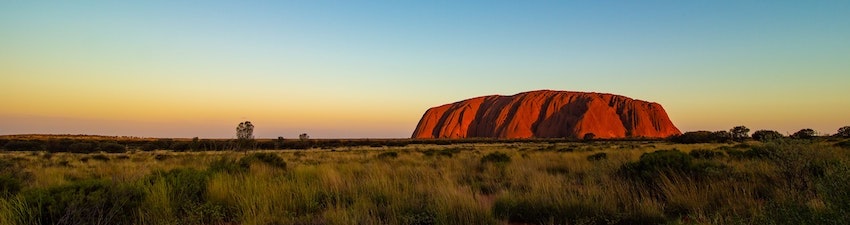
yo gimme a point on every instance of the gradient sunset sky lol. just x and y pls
(357, 69)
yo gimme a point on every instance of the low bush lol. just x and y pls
(59, 145)
(270, 159)
(843, 144)
(766, 135)
(23, 146)
(100, 157)
(388, 155)
(694, 137)
(705, 154)
(85, 202)
(447, 152)
(82, 147)
(9, 185)
(160, 157)
(112, 147)
(187, 189)
(597, 156)
(536, 210)
(668, 162)
(496, 157)
(227, 165)
(149, 147)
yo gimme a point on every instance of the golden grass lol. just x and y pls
(551, 183)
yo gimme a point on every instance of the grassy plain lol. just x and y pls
(785, 182)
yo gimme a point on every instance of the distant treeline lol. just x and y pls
(180, 145)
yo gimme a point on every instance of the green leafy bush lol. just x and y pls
(85, 202)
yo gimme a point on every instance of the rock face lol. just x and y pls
(546, 114)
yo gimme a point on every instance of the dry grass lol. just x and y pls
(542, 184)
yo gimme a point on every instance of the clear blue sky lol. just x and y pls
(371, 68)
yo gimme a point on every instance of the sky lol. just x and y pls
(370, 69)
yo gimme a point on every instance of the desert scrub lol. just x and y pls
(781, 182)
(270, 159)
(705, 154)
(83, 202)
(186, 194)
(653, 165)
(496, 158)
(597, 156)
(388, 155)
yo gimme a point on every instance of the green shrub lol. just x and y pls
(663, 159)
(766, 135)
(100, 157)
(843, 144)
(597, 156)
(227, 165)
(149, 147)
(85, 202)
(60, 145)
(187, 190)
(112, 147)
(23, 146)
(160, 157)
(82, 147)
(535, 210)
(693, 137)
(705, 154)
(388, 155)
(668, 162)
(270, 159)
(759, 153)
(496, 157)
(187, 185)
(9, 185)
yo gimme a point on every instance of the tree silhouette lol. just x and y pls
(244, 134)
(740, 133)
(804, 134)
(766, 135)
(245, 131)
(843, 132)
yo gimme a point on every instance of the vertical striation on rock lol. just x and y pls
(546, 114)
